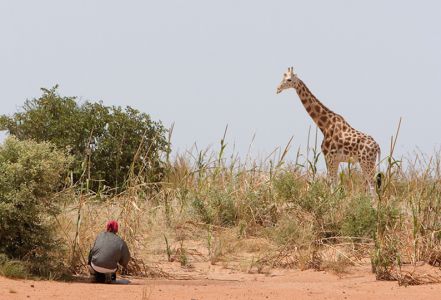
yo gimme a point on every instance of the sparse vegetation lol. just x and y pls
(211, 207)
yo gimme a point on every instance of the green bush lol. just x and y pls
(325, 207)
(287, 187)
(30, 175)
(218, 207)
(360, 218)
(108, 143)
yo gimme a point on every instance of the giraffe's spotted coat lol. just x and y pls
(341, 142)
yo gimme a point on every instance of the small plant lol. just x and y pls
(202, 211)
(167, 249)
(217, 252)
(13, 268)
(209, 240)
(183, 257)
(339, 266)
(242, 233)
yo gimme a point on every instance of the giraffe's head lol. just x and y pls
(289, 80)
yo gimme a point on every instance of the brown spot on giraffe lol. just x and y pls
(317, 109)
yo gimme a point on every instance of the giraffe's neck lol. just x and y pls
(320, 114)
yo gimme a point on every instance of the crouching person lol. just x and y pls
(109, 250)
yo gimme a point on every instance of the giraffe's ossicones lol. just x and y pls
(341, 142)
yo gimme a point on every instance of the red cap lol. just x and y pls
(112, 226)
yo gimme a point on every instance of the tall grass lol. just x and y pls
(284, 213)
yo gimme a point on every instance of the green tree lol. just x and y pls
(109, 143)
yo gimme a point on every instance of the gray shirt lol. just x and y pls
(109, 250)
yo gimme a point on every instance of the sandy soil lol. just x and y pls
(220, 283)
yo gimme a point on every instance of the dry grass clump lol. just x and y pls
(13, 268)
(138, 268)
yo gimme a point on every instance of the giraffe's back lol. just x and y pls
(350, 145)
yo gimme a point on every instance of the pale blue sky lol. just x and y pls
(205, 64)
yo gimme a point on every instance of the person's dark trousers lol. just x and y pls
(104, 278)
(100, 277)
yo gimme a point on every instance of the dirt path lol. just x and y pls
(358, 284)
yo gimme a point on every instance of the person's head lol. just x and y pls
(112, 226)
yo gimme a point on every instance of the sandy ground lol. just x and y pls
(359, 283)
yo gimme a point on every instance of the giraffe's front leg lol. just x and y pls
(332, 169)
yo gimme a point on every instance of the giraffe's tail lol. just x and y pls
(379, 175)
(379, 159)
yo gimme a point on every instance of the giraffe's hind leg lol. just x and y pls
(368, 170)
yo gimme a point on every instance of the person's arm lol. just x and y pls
(89, 260)
(125, 255)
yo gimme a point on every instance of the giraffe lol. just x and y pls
(341, 142)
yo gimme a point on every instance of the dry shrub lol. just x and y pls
(138, 268)
(411, 278)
